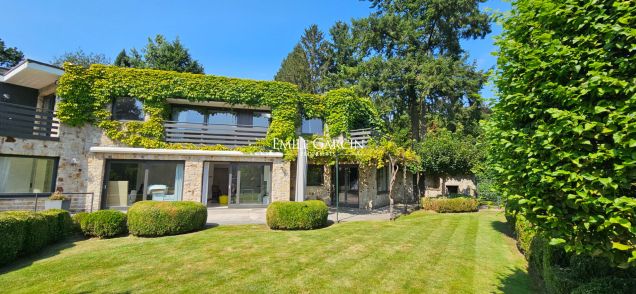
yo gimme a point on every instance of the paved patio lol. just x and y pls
(242, 216)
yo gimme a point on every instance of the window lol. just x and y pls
(261, 119)
(127, 108)
(312, 126)
(129, 181)
(188, 115)
(452, 189)
(27, 174)
(315, 175)
(382, 179)
(221, 117)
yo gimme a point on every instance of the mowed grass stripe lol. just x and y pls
(423, 252)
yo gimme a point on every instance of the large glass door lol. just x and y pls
(348, 178)
(129, 181)
(250, 183)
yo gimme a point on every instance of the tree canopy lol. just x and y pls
(295, 69)
(160, 53)
(81, 58)
(9, 56)
(563, 133)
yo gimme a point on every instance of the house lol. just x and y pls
(116, 136)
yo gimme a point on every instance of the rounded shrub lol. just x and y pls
(104, 223)
(77, 221)
(306, 215)
(60, 223)
(459, 204)
(36, 230)
(156, 218)
(12, 232)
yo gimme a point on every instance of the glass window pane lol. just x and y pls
(251, 183)
(262, 119)
(315, 175)
(26, 174)
(125, 183)
(382, 179)
(189, 115)
(312, 126)
(126, 108)
(165, 181)
(218, 117)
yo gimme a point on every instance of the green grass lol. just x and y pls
(422, 252)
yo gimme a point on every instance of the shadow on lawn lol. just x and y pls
(517, 282)
(46, 252)
(503, 228)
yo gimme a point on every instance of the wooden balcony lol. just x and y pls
(211, 134)
(28, 122)
(360, 137)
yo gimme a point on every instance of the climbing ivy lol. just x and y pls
(87, 93)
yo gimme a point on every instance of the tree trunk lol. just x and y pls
(422, 118)
(414, 113)
(394, 171)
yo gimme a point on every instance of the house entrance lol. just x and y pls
(348, 179)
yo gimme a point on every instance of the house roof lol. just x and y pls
(31, 73)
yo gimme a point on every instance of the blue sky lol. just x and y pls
(236, 38)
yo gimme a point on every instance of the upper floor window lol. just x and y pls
(127, 108)
(190, 115)
(261, 119)
(221, 117)
(312, 126)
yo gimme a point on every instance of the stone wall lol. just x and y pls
(465, 184)
(371, 199)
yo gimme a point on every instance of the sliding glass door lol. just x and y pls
(250, 183)
(129, 181)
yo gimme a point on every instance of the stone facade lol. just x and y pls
(465, 185)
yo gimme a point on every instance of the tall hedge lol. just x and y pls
(306, 215)
(156, 218)
(12, 233)
(563, 132)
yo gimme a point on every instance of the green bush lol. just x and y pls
(77, 221)
(443, 205)
(12, 233)
(60, 223)
(306, 215)
(605, 285)
(155, 218)
(36, 228)
(104, 223)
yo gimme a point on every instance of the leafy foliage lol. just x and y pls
(80, 57)
(154, 218)
(295, 69)
(446, 154)
(162, 54)
(9, 56)
(564, 130)
(104, 223)
(306, 215)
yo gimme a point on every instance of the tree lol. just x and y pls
(445, 154)
(563, 131)
(315, 46)
(135, 59)
(165, 55)
(404, 41)
(295, 69)
(9, 56)
(122, 59)
(80, 57)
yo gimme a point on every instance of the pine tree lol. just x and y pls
(122, 59)
(295, 69)
(9, 56)
(163, 54)
(315, 46)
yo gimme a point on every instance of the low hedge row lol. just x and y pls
(555, 271)
(154, 218)
(444, 205)
(24, 232)
(306, 215)
(101, 223)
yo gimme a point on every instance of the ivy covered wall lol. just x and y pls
(86, 94)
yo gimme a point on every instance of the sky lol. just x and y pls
(235, 38)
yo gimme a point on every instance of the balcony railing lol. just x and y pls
(28, 122)
(360, 137)
(211, 134)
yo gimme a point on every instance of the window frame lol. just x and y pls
(322, 122)
(113, 116)
(56, 161)
(321, 181)
(386, 178)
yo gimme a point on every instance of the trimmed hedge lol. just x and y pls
(77, 221)
(60, 223)
(103, 223)
(444, 205)
(306, 215)
(556, 271)
(12, 232)
(24, 232)
(156, 218)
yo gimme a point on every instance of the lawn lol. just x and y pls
(422, 252)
